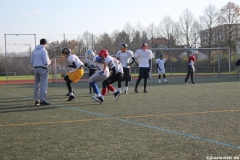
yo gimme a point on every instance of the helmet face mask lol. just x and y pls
(89, 54)
(66, 52)
(103, 53)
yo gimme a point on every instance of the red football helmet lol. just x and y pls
(103, 53)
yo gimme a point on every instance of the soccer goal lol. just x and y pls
(18, 48)
(210, 61)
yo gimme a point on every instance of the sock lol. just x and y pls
(126, 88)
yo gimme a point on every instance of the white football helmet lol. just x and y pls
(89, 54)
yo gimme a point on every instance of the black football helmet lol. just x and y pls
(66, 51)
(124, 45)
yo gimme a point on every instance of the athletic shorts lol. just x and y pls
(76, 75)
(126, 74)
(162, 71)
(144, 72)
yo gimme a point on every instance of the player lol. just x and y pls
(102, 72)
(89, 63)
(116, 75)
(125, 56)
(160, 62)
(191, 67)
(144, 58)
(238, 67)
(75, 74)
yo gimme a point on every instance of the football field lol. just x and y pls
(172, 121)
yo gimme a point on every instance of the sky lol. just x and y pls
(94, 16)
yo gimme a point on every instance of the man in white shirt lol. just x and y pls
(160, 62)
(144, 58)
(125, 56)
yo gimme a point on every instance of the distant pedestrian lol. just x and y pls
(238, 67)
(40, 61)
(191, 68)
(161, 68)
(75, 73)
(144, 58)
(126, 58)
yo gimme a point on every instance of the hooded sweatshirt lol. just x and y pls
(40, 57)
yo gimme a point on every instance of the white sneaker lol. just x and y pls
(165, 81)
(159, 81)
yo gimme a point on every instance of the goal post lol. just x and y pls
(207, 59)
(18, 44)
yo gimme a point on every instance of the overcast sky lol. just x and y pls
(95, 16)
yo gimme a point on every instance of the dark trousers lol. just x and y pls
(190, 73)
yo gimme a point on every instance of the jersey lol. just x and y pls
(161, 62)
(90, 64)
(99, 66)
(124, 57)
(112, 62)
(143, 57)
(72, 58)
(191, 60)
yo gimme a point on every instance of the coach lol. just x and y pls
(40, 60)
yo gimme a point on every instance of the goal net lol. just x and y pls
(209, 61)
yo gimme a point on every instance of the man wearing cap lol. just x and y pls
(191, 67)
(144, 58)
(40, 60)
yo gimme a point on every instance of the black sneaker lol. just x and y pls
(37, 103)
(69, 93)
(44, 103)
(194, 83)
(145, 91)
(136, 91)
(98, 99)
(117, 94)
(71, 98)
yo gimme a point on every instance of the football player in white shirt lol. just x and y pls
(144, 58)
(160, 62)
(75, 74)
(102, 72)
(125, 56)
(89, 63)
(116, 75)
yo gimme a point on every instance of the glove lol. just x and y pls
(100, 72)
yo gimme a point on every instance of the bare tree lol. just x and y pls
(187, 23)
(208, 23)
(229, 17)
